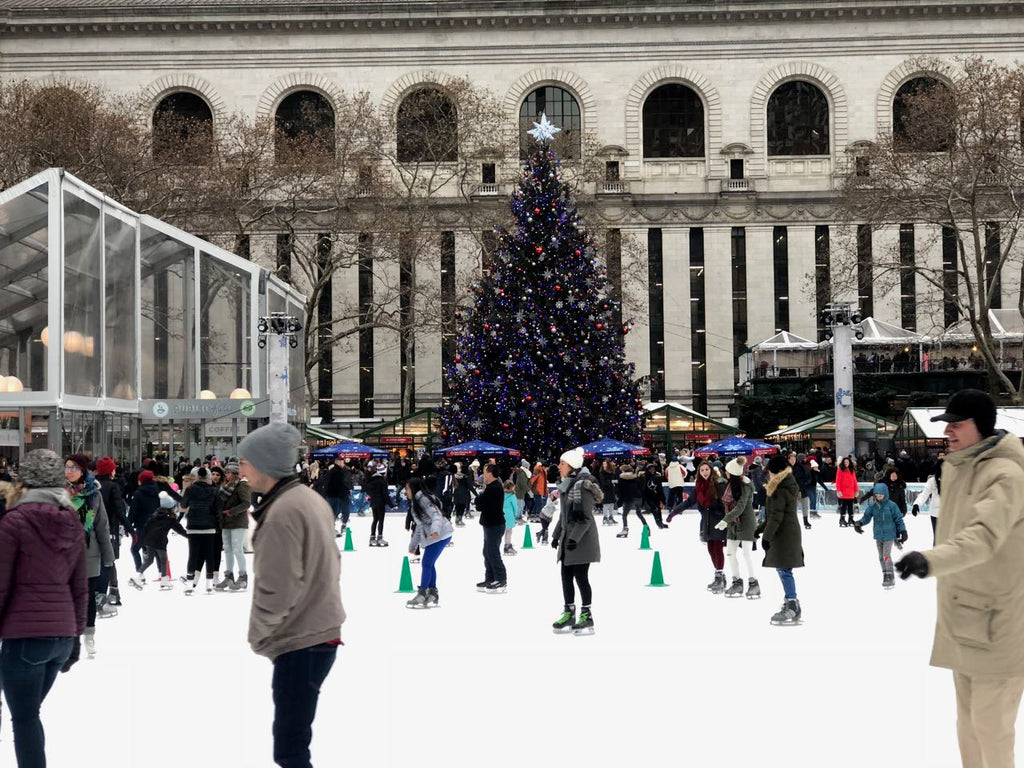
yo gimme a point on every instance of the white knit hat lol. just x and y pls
(574, 458)
(735, 467)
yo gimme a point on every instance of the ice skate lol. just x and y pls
(496, 587)
(226, 583)
(788, 615)
(241, 583)
(509, 551)
(104, 610)
(807, 524)
(736, 589)
(888, 581)
(89, 639)
(166, 584)
(420, 601)
(717, 586)
(842, 522)
(753, 590)
(623, 534)
(381, 542)
(373, 541)
(208, 586)
(481, 586)
(137, 582)
(459, 523)
(114, 597)
(585, 624)
(432, 597)
(563, 624)
(190, 587)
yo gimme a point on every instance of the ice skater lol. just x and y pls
(431, 530)
(547, 514)
(739, 525)
(707, 498)
(201, 506)
(154, 537)
(888, 527)
(490, 503)
(576, 539)
(510, 507)
(781, 537)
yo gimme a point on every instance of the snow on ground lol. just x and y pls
(673, 676)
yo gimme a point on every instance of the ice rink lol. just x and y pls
(673, 676)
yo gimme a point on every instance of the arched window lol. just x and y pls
(304, 123)
(798, 120)
(673, 122)
(562, 110)
(918, 122)
(428, 128)
(182, 128)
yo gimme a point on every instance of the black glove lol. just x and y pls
(76, 651)
(554, 543)
(913, 564)
(570, 545)
(577, 514)
(766, 544)
(903, 537)
(858, 527)
(914, 510)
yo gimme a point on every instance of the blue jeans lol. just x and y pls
(428, 575)
(788, 582)
(520, 507)
(233, 539)
(494, 568)
(28, 667)
(298, 676)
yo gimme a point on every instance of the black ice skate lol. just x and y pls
(585, 624)
(888, 581)
(753, 590)
(563, 624)
(432, 597)
(420, 601)
(736, 589)
(789, 615)
(496, 588)
(717, 586)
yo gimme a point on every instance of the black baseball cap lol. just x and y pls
(971, 404)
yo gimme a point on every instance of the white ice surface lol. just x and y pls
(673, 676)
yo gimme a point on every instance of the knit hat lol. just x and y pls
(272, 449)
(231, 468)
(145, 476)
(81, 460)
(573, 458)
(524, 464)
(735, 467)
(105, 467)
(201, 474)
(777, 463)
(41, 469)
(218, 470)
(166, 502)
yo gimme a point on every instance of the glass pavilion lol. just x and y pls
(121, 335)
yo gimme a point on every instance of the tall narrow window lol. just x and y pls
(283, 260)
(780, 268)
(992, 276)
(324, 316)
(489, 246)
(822, 269)
(673, 122)
(698, 335)
(798, 120)
(448, 328)
(950, 278)
(488, 173)
(865, 286)
(406, 325)
(656, 314)
(739, 297)
(908, 279)
(365, 256)
(613, 262)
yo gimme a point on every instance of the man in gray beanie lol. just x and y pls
(295, 622)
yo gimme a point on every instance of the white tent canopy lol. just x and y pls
(1006, 324)
(880, 333)
(784, 340)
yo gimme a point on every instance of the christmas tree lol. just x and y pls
(540, 360)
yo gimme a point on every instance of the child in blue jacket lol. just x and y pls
(888, 528)
(511, 510)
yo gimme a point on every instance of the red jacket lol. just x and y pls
(846, 484)
(43, 586)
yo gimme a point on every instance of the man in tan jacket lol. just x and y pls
(296, 612)
(979, 631)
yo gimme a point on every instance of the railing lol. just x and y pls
(737, 185)
(487, 189)
(613, 188)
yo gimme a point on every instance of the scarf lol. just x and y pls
(705, 492)
(81, 500)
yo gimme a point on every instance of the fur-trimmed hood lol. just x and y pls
(777, 480)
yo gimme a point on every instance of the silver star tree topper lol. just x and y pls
(544, 131)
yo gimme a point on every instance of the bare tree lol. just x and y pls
(953, 160)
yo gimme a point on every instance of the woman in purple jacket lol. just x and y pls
(43, 596)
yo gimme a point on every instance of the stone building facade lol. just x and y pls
(724, 125)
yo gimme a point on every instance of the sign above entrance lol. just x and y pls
(201, 410)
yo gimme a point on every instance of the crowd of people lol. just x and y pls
(64, 521)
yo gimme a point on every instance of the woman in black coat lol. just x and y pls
(781, 535)
(654, 494)
(377, 491)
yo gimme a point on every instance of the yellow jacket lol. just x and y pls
(978, 560)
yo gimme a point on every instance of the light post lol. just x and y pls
(841, 320)
(284, 329)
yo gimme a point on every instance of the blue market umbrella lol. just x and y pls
(606, 448)
(479, 448)
(736, 446)
(349, 450)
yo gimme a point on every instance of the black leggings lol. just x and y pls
(90, 615)
(158, 555)
(581, 573)
(846, 507)
(202, 550)
(637, 506)
(377, 525)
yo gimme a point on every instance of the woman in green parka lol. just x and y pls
(781, 535)
(739, 524)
